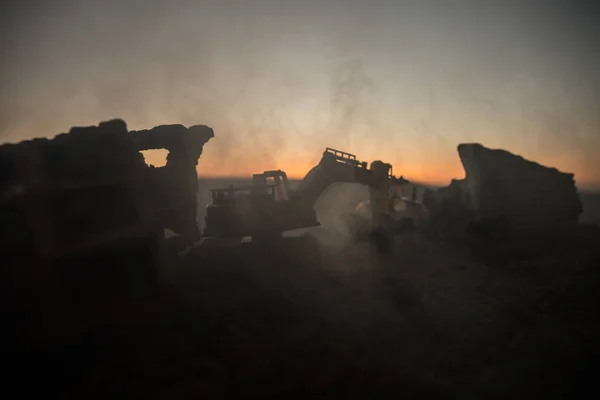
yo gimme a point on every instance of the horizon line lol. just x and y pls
(584, 188)
(294, 178)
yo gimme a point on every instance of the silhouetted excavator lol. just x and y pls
(266, 210)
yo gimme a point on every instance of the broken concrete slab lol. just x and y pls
(95, 177)
(521, 195)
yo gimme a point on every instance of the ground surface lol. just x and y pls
(333, 319)
(432, 318)
(433, 321)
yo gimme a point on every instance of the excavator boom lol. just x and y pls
(339, 166)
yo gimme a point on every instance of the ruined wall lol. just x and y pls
(65, 204)
(68, 190)
(173, 189)
(80, 215)
(92, 182)
(524, 195)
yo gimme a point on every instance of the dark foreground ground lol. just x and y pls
(433, 321)
(334, 320)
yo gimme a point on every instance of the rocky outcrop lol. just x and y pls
(79, 220)
(520, 195)
(92, 182)
(172, 189)
(61, 193)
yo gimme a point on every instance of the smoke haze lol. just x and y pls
(404, 82)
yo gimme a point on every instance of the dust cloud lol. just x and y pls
(87, 63)
(278, 81)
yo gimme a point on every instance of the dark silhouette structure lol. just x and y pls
(82, 217)
(505, 195)
(269, 209)
(97, 303)
(172, 189)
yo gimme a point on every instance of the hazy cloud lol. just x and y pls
(278, 80)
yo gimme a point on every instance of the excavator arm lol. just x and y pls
(337, 166)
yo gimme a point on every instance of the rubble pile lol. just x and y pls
(80, 217)
(96, 153)
(70, 228)
(508, 193)
(93, 181)
(72, 188)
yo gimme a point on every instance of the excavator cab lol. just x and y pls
(280, 184)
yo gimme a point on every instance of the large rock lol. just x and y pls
(172, 189)
(93, 182)
(75, 188)
(520, 195)
(79, 219)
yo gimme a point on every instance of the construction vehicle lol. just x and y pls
(392, 207)
(260, 210)
(267, 210)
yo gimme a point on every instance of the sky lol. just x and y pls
(400, 81)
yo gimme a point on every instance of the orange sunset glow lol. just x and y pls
(297, 169)
(401, 84)
(437, 174)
